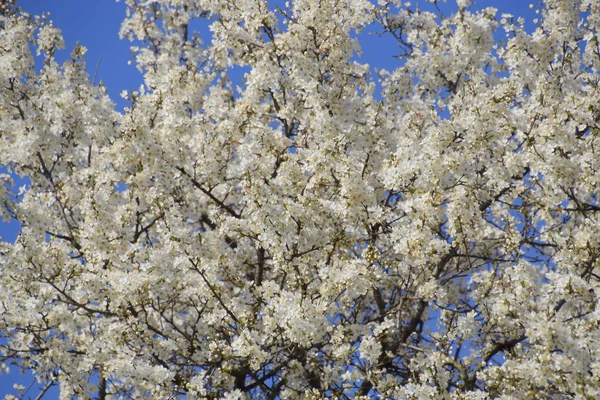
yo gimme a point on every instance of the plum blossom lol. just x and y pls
(303, 233)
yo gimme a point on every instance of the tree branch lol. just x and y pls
(198, 185)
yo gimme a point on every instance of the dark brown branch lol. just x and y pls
(260, 266)
(213, 291)
(101, 386)
(415, 321)
(380, 304)
(198, 185)
(67, 238)
(503, 346)
(139, 232)
(47, 173)
(41, 395)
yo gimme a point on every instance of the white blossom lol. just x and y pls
(305, 234)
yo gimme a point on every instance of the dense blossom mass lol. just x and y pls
(303, 234)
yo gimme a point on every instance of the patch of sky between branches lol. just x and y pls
(15, 186)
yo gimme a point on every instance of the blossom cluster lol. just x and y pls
(306, 235)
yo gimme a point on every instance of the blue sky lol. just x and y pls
(95, 24)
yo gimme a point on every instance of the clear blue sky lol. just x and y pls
(95, 24)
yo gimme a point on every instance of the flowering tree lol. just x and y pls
(302, 236)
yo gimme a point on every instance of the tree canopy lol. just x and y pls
(305, 234)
